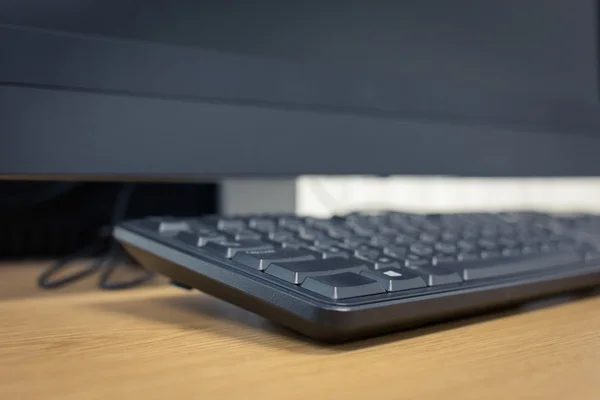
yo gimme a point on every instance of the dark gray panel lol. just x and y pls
(215, 88)
(519, 46)
(67, 61)
(516, 62)
(55, 132)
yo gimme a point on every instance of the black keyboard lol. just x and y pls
(364, 274)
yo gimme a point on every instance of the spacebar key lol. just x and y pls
(483, 269)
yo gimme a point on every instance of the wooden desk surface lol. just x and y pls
(160, 342)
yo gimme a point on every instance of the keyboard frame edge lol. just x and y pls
(329, 322)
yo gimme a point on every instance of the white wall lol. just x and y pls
(327, 195)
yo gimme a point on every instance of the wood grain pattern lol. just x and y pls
(160, 342)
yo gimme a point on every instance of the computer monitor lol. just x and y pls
(187, 89)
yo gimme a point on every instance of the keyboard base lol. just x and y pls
(340, 323)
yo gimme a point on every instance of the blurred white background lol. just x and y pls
(324, 196)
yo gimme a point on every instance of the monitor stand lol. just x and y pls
(243, 196)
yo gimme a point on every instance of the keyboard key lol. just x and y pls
(367, 252)
(470, 234)
(384, 261)
(445, 248)
(421, 250)
(508, 231)
(289, 219)
(294, 243)
(507, 242)
(281, 236)
(291, 224)
(246, 234)
(325, 243)
(483, 269)
(490, 254)
(297, 272)
(396, 251)
(404, 238)
(311, 234)
(331, 252)
(340, 234)
(343, 285)
(261, 259)
(488, 244)
(334, 252)
(202, 229)
(398, 217)
(510, 252)
(310, 221)
(264, 229)
(441, 258)
(430, 227)
(197, 240)
(489, 233)
(262, 224)
(449, 237)
(466, 245)
(387, 231)
(382, 241)
(361, 224)
(230, 223)
(409, 230)
(353, 243)
(544, 248)
(531, 249)
(435, 276)
(365, 232)
(325, 224)
(413, 260)
(230, 248)
(167, 226)
(173, 227)
(395, 279)
(427, 238)
(467, 256)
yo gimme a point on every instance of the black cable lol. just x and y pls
(45, 280)
(116, 259)
(108, 263)
(120, 207)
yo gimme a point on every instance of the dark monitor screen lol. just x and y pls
(219, 88)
